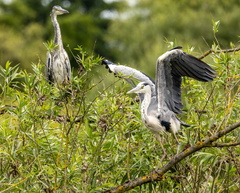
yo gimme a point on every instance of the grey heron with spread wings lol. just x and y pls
(161, 99)
(58, 68)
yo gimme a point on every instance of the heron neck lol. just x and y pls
(146, 101)
(57, 32)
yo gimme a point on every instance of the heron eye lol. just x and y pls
(142, 87)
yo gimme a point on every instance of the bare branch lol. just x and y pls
(4, 108)
(62, 118)
(158, 174)
(218, 51)
(224, 144)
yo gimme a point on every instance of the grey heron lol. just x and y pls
(161, 101)
(58, 68)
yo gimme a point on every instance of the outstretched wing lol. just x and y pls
(171, 66)
(129, 74)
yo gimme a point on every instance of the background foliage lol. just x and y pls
(26, 24)
(115, 29)
(88, 136)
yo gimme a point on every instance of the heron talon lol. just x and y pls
(178, 147)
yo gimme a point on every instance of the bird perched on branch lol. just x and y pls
(58, 68)
(161, 99)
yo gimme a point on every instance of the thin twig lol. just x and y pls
(4, 108)
(224, 144)
(58, 118)
(234, 157)
(158, 174)
(14, 185)
(62, 118)
(218, 51)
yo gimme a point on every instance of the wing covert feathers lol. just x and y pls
(129, 73)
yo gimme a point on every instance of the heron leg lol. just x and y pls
(178, 144)
(163, 149)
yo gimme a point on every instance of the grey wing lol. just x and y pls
(184, 64)
(129, 74)
(67, 65)
(175, 64)
(48, 70)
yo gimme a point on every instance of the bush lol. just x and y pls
(88, 135)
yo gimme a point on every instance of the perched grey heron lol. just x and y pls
(161, 101)
(58, 68)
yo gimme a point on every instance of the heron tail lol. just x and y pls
(185, 124)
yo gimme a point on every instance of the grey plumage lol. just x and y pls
(161, 101)
(58, 68)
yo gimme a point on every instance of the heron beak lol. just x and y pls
(64, 11)
(134, 90)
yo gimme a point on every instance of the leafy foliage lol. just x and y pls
(58, 139)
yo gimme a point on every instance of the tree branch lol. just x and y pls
(224, 144)
(58, 118)
(158, 174)
(218, 51)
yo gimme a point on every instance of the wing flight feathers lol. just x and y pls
(184, 64)
(177, 64)
(170, 68)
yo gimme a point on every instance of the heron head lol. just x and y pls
(58, 10)
(142, 87)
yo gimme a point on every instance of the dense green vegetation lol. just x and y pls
(56, 139)
(88, 136)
